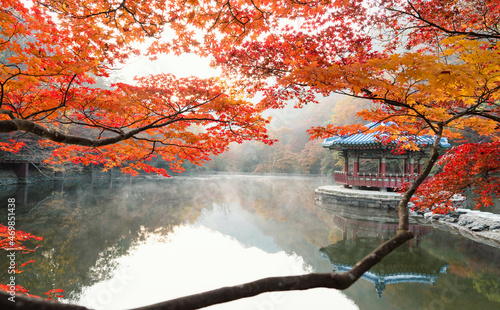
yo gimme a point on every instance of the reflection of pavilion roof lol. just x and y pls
(381, 281)
(371, 139)
(404, 265)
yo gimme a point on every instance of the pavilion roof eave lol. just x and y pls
(334, 143)
(371, 139)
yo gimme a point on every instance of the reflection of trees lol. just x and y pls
(462, 284)
(286, 203)
(473, 264)
(307, 228)
(86, 226)
(488, 285)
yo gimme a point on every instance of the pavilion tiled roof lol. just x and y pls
(365, 139)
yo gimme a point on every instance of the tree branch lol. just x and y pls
(56, 136)
(403, 203)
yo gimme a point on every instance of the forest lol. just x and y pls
(293, 151)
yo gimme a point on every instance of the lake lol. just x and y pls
(124, 243)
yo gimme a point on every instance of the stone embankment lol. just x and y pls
(40, 174)
(357, 198)
(479, 226)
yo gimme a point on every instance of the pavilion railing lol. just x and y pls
(373, 179)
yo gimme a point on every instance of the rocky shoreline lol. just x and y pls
(483, 227)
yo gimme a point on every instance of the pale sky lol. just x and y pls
(182, 66)
(195, 259)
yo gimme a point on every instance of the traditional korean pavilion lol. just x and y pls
(368, 146)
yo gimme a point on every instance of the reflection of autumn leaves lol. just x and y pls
(483, 277)
(468, 262)
(484, 280)
(85, 227)
(16, 241)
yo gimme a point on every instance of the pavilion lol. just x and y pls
(368, 146)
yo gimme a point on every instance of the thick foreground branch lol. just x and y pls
(7, 126)
(333, 280)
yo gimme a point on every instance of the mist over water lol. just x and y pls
(116, 244)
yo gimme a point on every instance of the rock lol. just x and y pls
(464, 222)
(455, 214)
(428, 215)
(479, 227)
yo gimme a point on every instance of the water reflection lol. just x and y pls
(193, 259)
(113, 242)
(407, 264)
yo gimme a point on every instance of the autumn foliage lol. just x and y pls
(53, 52)
(14, 241)
(471, 168)
(432, 68)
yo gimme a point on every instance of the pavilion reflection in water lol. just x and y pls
(407, 264)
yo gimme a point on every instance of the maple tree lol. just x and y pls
(431, 66)
(471, 166)
(51, 54)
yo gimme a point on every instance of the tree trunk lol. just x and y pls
(403, 212)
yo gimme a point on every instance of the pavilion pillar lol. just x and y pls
(21, 195)
(22, 172)
(405, 166)
(419, 166)
(412, 168)
(381, 173)
(382, 167)
(355, 173)
(346, 169)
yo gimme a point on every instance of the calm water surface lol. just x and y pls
(117, 244)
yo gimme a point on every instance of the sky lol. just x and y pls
(182, 66)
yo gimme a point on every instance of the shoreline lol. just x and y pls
(479, 226)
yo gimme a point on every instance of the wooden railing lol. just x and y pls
(373, 179)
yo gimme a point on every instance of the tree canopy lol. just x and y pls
(51, 54)
(431, 67)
